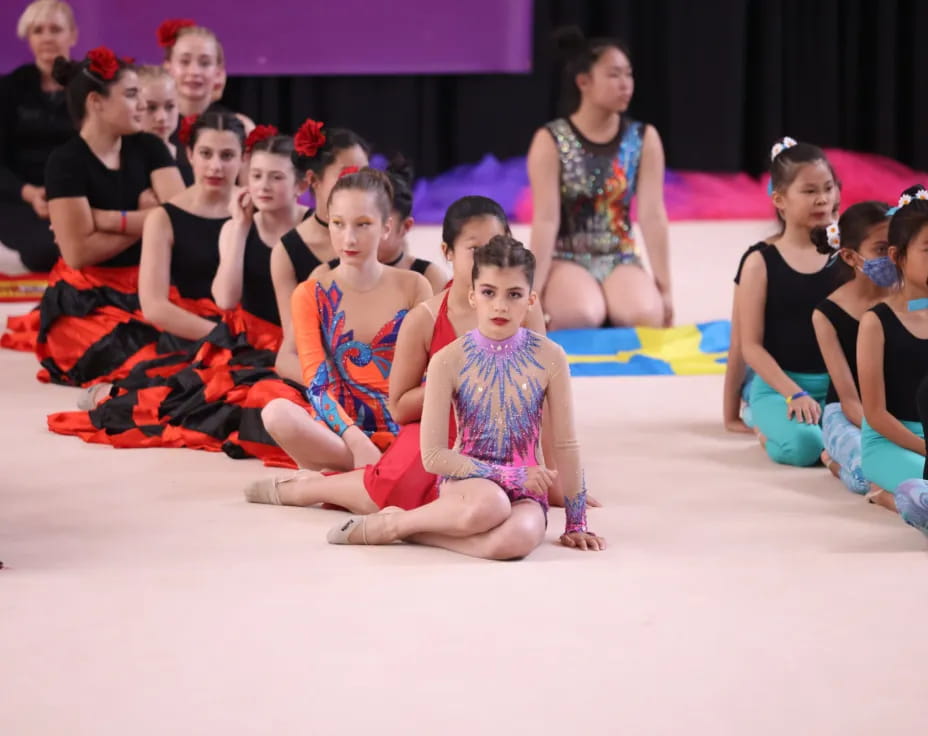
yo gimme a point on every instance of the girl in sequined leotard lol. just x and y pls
(493, 495)
(584, 171)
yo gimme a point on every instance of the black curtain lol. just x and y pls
(720, 79)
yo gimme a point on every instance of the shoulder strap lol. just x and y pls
(420, 265)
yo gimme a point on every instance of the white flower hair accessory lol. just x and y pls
(781, 145)
(907, 199)
(833, 232)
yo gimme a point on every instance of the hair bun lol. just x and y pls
(64, 70)
(913, 190)
(401, 169)
(569, 41)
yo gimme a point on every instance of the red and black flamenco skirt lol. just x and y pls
(208, 399)
(88, 328)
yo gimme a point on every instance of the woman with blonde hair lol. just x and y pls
(33, 122)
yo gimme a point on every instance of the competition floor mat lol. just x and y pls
(687, 350)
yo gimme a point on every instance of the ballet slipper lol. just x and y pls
(267, 490)
(340, 534)
(92, 396)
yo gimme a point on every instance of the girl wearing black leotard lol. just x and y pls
(780, 287)
(860, 239)
(180, 243)
(892, 356)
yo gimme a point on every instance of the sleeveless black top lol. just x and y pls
(757, 246)
(195, 258)
(791, 298)
(847, 328)
(302, 258)
(257, 287)
(905, 359)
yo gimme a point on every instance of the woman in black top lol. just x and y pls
(101, 186)
(33, 122)
(892, 356)
(860, 239)
(780, 288)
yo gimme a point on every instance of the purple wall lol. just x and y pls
(312, 37)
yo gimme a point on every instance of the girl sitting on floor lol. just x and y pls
(860, 239)
(781, 285)
(345, 322)
(892, 354)
(493, 495)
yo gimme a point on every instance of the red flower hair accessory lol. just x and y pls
(259, 134)
(103, 63)
(348, 170)
(186, 129)
(309, 138)
(167, 31)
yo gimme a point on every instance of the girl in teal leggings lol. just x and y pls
(780, 287)
(892, 356)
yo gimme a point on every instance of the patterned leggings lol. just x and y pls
(842, 443)
(912, 503)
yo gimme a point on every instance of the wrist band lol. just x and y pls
(799, 395)
(123, 221)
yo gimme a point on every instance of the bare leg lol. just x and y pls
(632, 298)
(832, 466)
(464, 508)
(345, 490)
(515, 538)
(883, 498)
(309, 442)
(573, 298)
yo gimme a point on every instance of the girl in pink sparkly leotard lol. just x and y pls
(493, 495)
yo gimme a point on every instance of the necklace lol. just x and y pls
(320, 221)
(395, 260)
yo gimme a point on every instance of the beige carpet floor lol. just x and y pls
(142, 595)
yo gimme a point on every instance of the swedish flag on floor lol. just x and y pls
(688, 350)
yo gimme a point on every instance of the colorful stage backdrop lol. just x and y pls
(313, 37)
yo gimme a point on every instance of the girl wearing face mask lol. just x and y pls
(33, 122)
(493, 493)
(345, 322)
(101, 186)
(584, 171)
(194, 57)
(781, 284)
(859, 237)
(892, 354)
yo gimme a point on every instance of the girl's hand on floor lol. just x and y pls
(586, 541)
